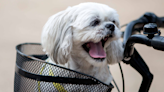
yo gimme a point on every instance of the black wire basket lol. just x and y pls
(34, 74)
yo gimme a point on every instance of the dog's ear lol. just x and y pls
(115, 52)
(57, 37)
(62, 53)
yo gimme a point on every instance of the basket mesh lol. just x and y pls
(27, 67)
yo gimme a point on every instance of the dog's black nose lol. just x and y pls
(110, 26)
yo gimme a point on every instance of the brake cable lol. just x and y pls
(122, 75)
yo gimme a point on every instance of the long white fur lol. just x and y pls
(65, 32)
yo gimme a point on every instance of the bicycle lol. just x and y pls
(30, 62)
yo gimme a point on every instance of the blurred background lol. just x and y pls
(22, 21)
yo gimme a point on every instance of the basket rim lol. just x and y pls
(43, 61)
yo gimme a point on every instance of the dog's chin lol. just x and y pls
(96, 62)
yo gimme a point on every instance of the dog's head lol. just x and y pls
(85, 32)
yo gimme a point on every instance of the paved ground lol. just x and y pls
(22, 21)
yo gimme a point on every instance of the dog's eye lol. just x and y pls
(96, 22)
(114, 21)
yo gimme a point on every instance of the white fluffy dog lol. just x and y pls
(84, 38)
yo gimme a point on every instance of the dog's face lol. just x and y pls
(83, 32)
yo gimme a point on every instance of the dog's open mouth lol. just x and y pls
(95, 50)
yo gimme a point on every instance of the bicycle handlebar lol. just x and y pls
(136, 60)
(146, 18)
(129, 47)
(157, 42)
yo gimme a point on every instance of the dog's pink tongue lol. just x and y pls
(96, 50)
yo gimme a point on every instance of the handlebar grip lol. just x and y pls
(161, 19)
(158, 43)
